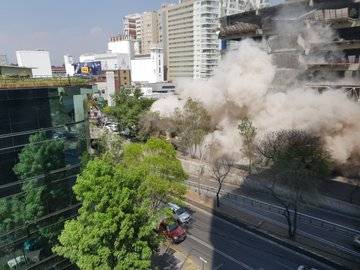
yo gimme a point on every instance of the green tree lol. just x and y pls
(129, 105)
(36, 160)
(115, 226)
(192, 124)
(248, 134)
(220, 168)
(299, 163)
(40, 195)
(151, 124)
(163, 175)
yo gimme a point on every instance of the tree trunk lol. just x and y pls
(295, 222)
(292, 222)
(217, 196)
(217, 200)
(287, 215)
(250, 166)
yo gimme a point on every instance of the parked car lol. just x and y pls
(111, 127)
(172, 230)
(356, 242)
(180, 213)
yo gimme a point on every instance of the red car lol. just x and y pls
(172, 231)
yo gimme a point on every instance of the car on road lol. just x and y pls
(172, 230)
(180, 213)
(356, 242)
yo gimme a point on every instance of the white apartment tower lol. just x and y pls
(206, 41)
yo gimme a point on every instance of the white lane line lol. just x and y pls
(243, 265)
(257, 236)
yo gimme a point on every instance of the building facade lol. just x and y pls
(163, 38)
(148, 68)
(331, 60)
(121, 44)
(180, 40)
(192, 36)
(206, 42)
(58, 115)
(149, 31)
(132, 26)
(109, 61)
(38, 60)
(3, 59)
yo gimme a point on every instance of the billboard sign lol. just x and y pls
(88, 68)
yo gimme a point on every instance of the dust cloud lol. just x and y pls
(243, 86)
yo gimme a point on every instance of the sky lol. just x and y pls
(64, 26)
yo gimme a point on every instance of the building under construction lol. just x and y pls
(311, 41)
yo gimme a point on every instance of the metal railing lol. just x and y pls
(276, 209)
(235, 200)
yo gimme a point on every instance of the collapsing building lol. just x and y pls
(311, 41)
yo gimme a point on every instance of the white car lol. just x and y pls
(111, 127)
(180, 213)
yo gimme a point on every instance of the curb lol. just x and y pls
(272, 237)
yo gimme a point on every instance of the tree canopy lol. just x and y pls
(129, 105)
(39, 196)
(192, 123)
(299, 163)
(120, 207)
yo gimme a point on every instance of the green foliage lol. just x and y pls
(248, 134)
(192, 123)
(129, 105)
(299, 159)
(162, 172)
(115, 226)
(40, 196)
(40, 156)
(152, 125)
(299, 163)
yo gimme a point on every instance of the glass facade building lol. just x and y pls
(51, 126)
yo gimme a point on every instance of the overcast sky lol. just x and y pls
(64, 26)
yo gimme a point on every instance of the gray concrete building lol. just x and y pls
(180, 39)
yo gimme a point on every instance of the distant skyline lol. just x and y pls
(66, 26)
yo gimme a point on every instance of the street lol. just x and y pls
(217, 244)
(328, 234)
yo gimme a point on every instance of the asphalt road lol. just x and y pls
(326, 235)
(217, 244)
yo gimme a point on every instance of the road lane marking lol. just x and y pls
(220, 252)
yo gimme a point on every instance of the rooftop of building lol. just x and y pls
(13, 66)
(7, 83)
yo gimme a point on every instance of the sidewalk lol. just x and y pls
(269, 230)
(171, 257)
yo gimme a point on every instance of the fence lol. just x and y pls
(276, 209)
